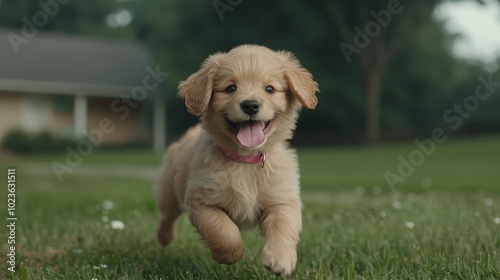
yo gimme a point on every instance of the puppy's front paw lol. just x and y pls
(279, 260)
(228, 255)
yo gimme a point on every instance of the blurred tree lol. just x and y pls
(419, 84)
(382, 29)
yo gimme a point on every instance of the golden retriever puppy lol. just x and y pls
(236, 169)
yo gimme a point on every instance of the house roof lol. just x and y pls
(70, 64)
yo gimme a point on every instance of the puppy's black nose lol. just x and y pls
(250, 107)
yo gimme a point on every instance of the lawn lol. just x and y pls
(442, 222)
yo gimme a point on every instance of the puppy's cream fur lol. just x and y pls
(220, 194)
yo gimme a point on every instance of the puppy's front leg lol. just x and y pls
(281, 225)
(220, 234)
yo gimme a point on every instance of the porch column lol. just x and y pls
(80, 116)
(159, 126)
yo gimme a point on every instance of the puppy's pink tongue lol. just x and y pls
(251, 134)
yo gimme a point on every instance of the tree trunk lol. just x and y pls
(373, 84)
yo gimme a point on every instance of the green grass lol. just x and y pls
(355, 225)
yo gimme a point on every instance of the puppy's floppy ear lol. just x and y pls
(301, 82)
(197, 89)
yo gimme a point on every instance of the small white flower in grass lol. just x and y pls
(488, 202)
(107, 204)
(95, 278)
(117, 225)
(103, 265)
(78, 251)
(97, 267)
(360, 190)
(396, 204)
(409, 224)
(383, 214)
(105, 219)
(496, 220)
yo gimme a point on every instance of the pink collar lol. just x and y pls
(250, 159)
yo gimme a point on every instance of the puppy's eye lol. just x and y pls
(231, 89)
(269, 89)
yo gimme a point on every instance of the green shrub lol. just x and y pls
(44, 141)
(21, 142)
(18, 142)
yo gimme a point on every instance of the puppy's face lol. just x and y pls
(249, 97)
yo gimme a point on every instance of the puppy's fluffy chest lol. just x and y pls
(238, 189)
(242, 190)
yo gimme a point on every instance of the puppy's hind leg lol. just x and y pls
(170, 210)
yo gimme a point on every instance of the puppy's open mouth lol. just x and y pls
(250, 133)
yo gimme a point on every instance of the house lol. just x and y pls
(71, 85)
